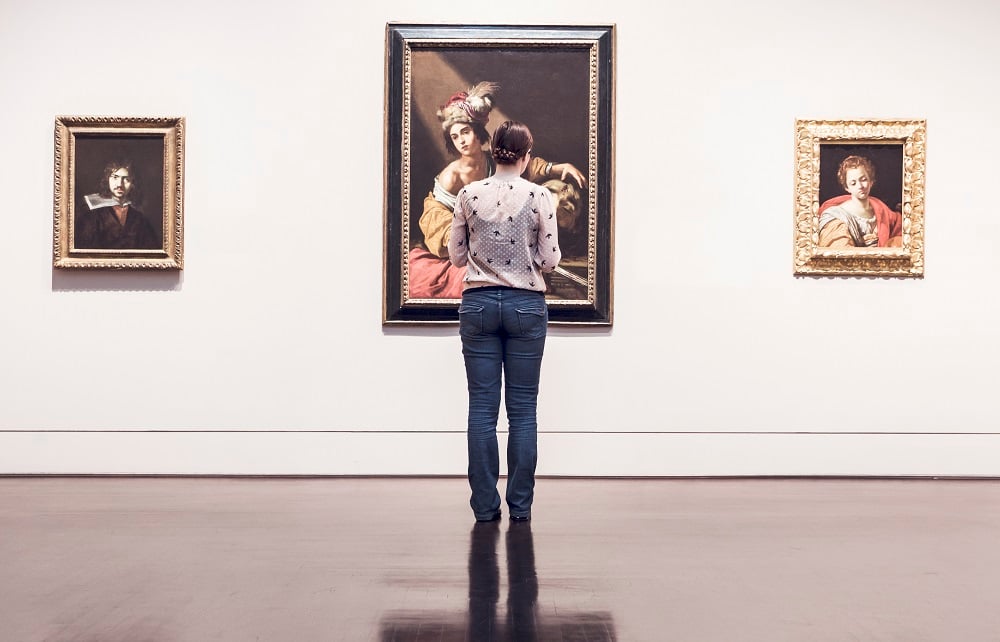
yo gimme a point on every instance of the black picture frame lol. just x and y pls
(557, 79)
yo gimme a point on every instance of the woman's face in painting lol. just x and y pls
(464, 139)
(858, 183)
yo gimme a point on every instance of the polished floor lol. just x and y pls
(170, 560)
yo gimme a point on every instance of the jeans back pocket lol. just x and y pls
(533, 320)
(470, 319)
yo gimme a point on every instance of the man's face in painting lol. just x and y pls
(120, 183)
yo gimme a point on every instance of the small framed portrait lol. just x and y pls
(447, 89)
(859, 197)
(118, 195)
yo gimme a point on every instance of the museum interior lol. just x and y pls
(249, 432)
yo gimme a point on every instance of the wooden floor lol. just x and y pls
(170, 560)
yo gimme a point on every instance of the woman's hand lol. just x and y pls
(568, 169)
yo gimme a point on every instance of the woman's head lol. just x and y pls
(467, 135)
(512, 141)
(471, 108)
(857, 163)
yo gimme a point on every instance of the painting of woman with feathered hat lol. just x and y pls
(464, 118)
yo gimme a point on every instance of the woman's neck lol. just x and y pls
(506, 172)
(860, 207)
(474, 161)
(512, 171)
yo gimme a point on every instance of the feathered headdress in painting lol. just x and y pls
(471, 106)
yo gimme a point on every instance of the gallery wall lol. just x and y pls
(266, 354)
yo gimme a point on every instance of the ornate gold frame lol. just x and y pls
(809, 258)
(169, 132)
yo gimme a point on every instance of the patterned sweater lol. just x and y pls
(506, 232)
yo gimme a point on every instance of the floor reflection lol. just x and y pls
(522, 581)
(484, 580)
(519, 621)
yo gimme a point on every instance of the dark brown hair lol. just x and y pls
(111, 168)
(855, 162)
(511, 142)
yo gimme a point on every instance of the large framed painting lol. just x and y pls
(444, 80)
(119, 193)
(859, 197)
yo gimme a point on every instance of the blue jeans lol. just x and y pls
(503, 337)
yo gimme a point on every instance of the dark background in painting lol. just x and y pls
(93, 152)
(545, 88)
(888, 161)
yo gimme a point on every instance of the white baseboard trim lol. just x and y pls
(560, 454)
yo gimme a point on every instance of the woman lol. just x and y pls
(504, 232)
(463, 124)
(858, 219)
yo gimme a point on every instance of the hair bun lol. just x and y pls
(505, 155)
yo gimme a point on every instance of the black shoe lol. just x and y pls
(492, 518)
(520, 518)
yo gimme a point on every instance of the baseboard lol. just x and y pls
(567, 454)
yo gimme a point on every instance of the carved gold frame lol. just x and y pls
(170, 132)
(809, 258)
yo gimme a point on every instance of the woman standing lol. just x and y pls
(504, 231)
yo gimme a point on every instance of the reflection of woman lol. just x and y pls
(484, 581)
(522, 584)
(463, 122)
(858, 219)
(504, 229)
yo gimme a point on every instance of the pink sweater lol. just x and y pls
(506, 233)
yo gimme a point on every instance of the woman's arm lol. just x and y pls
(435, 223)
(540, 170)
(458, 246)
(835, 234)
(450, 178)
(547, 252)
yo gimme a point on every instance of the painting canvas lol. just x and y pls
(118, 197)
(558, 81)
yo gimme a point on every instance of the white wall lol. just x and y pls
(266, 354)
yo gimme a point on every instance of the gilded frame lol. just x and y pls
(454, 57)
(84, 147)
(903, 143)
